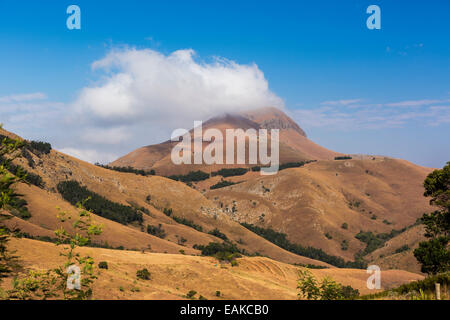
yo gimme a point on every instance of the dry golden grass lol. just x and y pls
(173, 275)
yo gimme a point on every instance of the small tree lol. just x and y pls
(328, 289)
(143, 274)
(43, 284)
(434, 254)
(308, 285)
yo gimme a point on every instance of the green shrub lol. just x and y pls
(143, 274)
(402, 249)
(40, 146)
(103, 265)
(344, 226)
(225, 251)
(216, 232)
(191, 294)
(188, 223)
(292, 165)
(156, 231)
(222, 184)
(168, 212)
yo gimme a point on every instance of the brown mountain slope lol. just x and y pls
(153, 193)
(394, 255)
(294, 145)
(310, 204)
(173, 275)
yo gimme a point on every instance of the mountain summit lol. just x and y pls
(294, 144)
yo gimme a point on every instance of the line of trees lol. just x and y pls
(128, 169)
(280, 239)
(74, 193)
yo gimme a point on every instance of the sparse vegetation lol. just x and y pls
(344, 245)
(280, 240)
(156, 231)
(402, 249)
(187, 222)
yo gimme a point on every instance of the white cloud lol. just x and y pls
(341, 102)
(415, 103)
(145, 86)
(89, 155)
(106, 136)
(23, 97)
(138, 98)
(372, 116)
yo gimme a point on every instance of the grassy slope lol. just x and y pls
(307, 202)
(129, 188)
(174, 275)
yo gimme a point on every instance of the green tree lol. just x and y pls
(308, 285)
(434, 254)
(8, 152)
(43, 284)
(328, 289)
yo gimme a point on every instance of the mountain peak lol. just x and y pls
(273, 118)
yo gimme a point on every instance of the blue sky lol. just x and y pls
(352, 89)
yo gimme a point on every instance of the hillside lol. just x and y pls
(312, 203)
(152, 194)
(173, 275)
